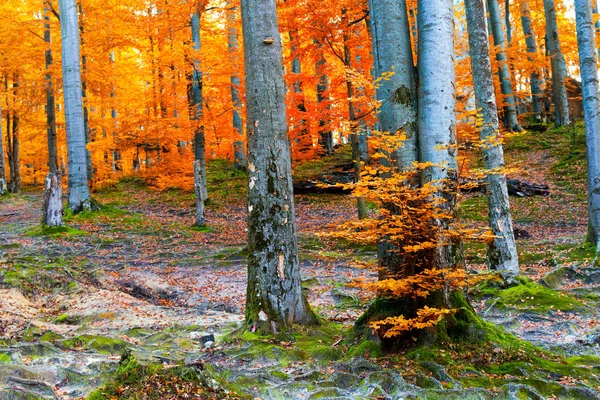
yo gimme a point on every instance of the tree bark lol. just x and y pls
(325, 134)
(50, 100)
(591, 109)
(502, 252)
(397, 94)
(534, 80)
(199, 189)
(52, 211)
(510, 110)
(239, 154)
(79, 194)
(197, 111)
(3, 187)
(86, 114)
(14, 185)
(557, 62)
(274, 297)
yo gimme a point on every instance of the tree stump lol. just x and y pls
(53, 210)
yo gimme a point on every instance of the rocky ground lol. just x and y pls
(135, 277)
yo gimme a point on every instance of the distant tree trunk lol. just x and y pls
(591, 109)
(502, 252)
(597, 22)
(14, 144)
(239, 154)
(510, 111)
(535, 80)
(50, 102)
(507, 21)
(398, 94)
(86, 114)
(274, 297)
(79, 194)
(196, 106)
(325, 133)
(3, 187)
(302, 141)
(557, 62)
(52, 209)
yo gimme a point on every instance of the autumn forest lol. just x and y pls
(261, 199)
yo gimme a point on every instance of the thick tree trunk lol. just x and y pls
(510, 109)
(50, 101)
(534, 80)
(197, 111)
(52, 209)
(557, 62)
(239, 154)
(79, 194)
(199, 189)
(392, 50)
(591, 108)
(437, 104)
(502, 252)
(3, 187)
(274, 297)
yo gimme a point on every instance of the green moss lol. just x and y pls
(54, 231)
(474, 209)
(50, 336)
(67, 319)
(367, 348)
(101, 344)
(5, 358)
(537, 298)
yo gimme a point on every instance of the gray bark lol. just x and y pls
(591, 110)
(239, 154)
(79, 194)
(86, 114)
(510, 110)
(50, 100)
(14, 144)
(325, 134)
(557, 64)
(52, 210)
(200, 190)
(392, 51)
(197, 112)
(502, 252)
(597, 23)
(437, 105)
(534, 80)
(274, 295)
(3, 187)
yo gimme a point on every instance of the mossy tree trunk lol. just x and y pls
(274, 297)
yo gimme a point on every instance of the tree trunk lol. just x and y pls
(79, 194)
(535, 81)
(199, 189)
(50, 101)
(239, 154)
(591, 109)
(3, 187)
(325, 134)
(14, 185)
(392, 50)
(502, 252)
(197, 107)
(510, 110)
(86, 114)
(597, 23)
(274, 297)
(557, 62)
(52, 211)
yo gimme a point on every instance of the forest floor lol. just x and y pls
(133, 297)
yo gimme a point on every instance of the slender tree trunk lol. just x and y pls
(354, 135)
(239, 154)
(507, 21)
(274, 297)
(197, 117)
(325, 134)
(86, 114)
(510, 111)
(79, 194)
(502, 252)
(52, 209)
(398, 94)
(591, 109)
(597, 22)
(534, 80)
(302, 141)
(557, 62)
(15, 143)
(50, 101)
(3, 187)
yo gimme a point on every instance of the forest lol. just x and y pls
(263, 199)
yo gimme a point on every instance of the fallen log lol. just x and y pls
(330, 183)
